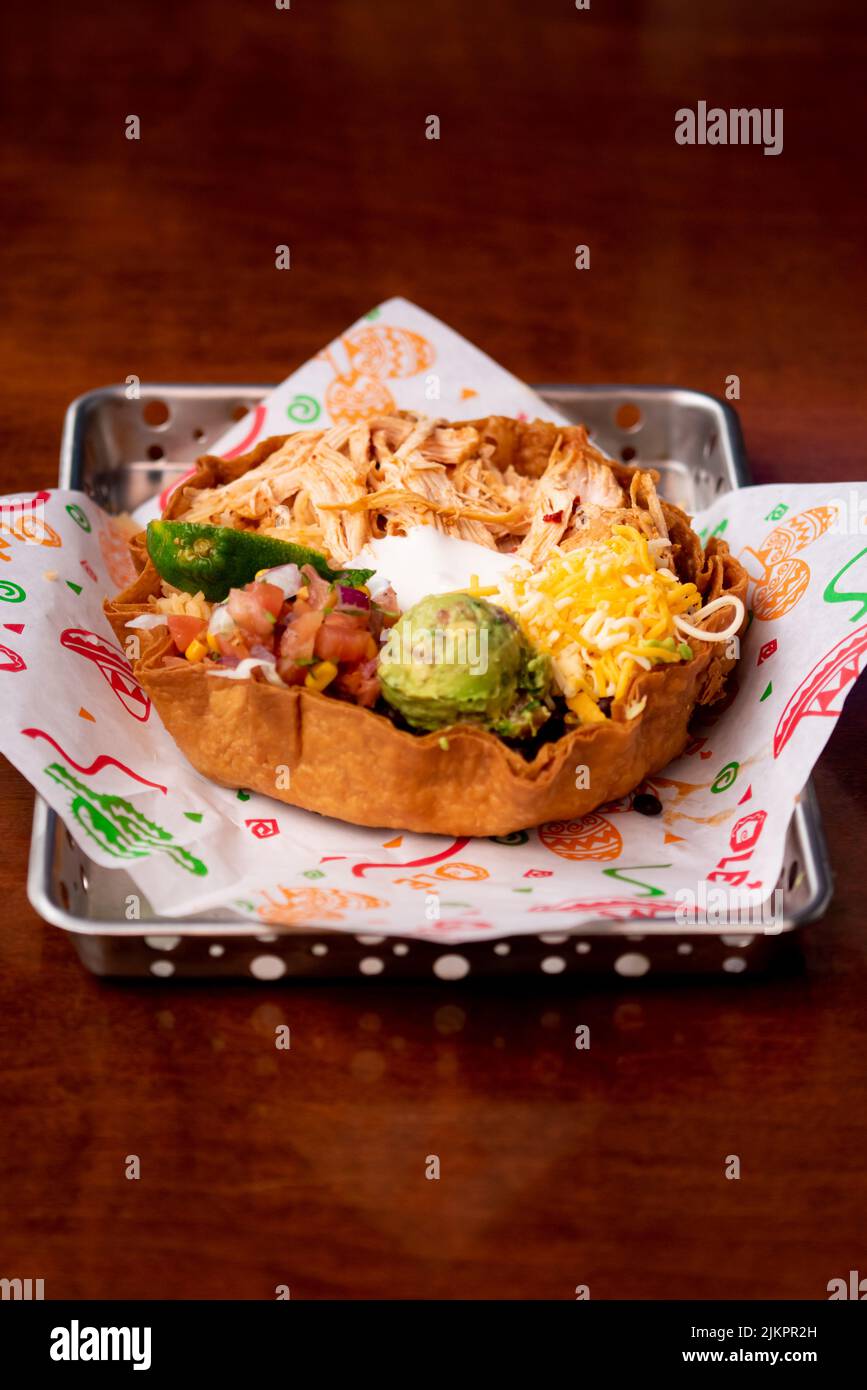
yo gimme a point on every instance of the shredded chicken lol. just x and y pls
(526, 489)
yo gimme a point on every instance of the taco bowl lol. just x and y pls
(313, 749)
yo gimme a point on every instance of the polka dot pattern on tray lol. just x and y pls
(286, 956)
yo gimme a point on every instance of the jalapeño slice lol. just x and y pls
(214, 559)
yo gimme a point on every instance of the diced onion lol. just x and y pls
(351, 600)
(376, 585)
(221, 621)
(288, 578)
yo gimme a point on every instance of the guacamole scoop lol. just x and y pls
(455, 658)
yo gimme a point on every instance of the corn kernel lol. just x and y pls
(213, 644)
(320, 675)
(196, 650)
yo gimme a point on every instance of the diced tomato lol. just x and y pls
(290, 672)
(321, 592)
(253, 609)
(299, 635)
(359, 683)
(344, 637)
(269, 595)
(184, 630)
(232, 645)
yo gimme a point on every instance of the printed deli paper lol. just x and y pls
(80, 728)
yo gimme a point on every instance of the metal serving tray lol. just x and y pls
(122, 452)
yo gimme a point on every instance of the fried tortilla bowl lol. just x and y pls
(355, 764)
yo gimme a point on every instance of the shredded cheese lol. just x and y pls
(604, 612)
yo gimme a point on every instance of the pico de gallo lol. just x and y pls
(296, 628)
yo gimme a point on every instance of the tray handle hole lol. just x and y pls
(794, 875)
(709, 444)
(198, 433)
(627, 454)
(627, 417)
(155, 452)
(238, 412)
(156, 414)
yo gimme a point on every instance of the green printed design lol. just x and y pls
(117, 827)
(304, 409)
(725, 777)
(717, 531)
(833, 595)
(650, 891)
(10, 592)
(78, 516)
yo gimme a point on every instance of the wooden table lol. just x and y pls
(306, 127)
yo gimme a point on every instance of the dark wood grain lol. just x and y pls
(261, 127)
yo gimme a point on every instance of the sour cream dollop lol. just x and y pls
(425, 561)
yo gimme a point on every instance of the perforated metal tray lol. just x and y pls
(112, 451)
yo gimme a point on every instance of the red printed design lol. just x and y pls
(263, 828)
(102, 760)
(112, 666)
(821, 692)
(11, 661)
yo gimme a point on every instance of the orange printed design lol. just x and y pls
(23, 521)
(353, 397)
(114, 549)
(363, 361)
(423, 882)
(468, 873)
(591, 837)
(303, 906)
(782, 580)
